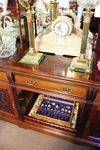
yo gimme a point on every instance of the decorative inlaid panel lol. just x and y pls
(4, 105)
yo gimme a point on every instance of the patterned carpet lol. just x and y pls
(14, 138)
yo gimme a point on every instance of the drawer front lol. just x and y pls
(3, 76)
(51, 86)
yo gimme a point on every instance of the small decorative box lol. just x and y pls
(55, 111)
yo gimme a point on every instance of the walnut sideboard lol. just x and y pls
(21, 83)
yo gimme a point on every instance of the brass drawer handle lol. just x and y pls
(30, 83)
(67, 90)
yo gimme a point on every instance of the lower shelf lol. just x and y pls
(54, 112)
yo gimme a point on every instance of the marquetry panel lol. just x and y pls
(4, 105)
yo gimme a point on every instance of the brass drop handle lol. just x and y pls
(67, 90)
(30, 83)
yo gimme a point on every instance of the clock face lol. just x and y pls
(61, 28)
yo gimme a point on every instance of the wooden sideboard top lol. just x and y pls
(52, 66)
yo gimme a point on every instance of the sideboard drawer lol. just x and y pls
(51, 85)
(3, 76)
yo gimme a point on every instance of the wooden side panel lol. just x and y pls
(3, 76)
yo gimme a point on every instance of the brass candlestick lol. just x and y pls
(29, 17)
(82, 63)
(53, 10)
(86, 23)
(33, 56)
